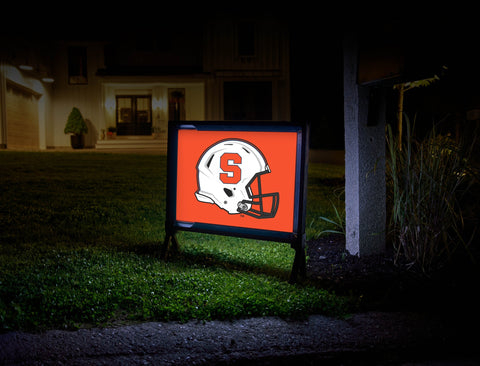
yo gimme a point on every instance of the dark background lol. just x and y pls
(426, 39)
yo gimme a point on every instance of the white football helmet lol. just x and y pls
(229, 175)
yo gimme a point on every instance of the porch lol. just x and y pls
(133, 143)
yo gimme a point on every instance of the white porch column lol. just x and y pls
(365, 202)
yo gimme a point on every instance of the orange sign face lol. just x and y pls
(242, 179)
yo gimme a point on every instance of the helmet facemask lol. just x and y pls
(259, 205)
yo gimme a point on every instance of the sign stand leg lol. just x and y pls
(299, 262)
(169, 237)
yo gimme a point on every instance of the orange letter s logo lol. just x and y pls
(231, 171)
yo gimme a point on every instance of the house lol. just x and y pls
(134, 81)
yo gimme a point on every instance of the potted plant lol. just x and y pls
(112, 133)
(77, 127)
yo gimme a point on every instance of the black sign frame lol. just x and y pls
(296, 237)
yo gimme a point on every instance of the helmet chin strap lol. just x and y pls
(242, 207)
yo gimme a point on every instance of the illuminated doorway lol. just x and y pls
(134, 115)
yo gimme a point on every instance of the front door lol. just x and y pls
(134, 115)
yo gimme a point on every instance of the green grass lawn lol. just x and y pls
(80, 237)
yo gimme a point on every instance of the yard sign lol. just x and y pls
(238, 179)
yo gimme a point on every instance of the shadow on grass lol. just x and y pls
(218, 261)
(154, 249)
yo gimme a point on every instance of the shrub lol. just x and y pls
(75, 123)
(425, 183)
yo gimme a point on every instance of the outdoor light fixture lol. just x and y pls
(38, 73)
(25, 67)
(110, 103)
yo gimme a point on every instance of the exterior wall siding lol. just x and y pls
(204, 88)
(269, 63)
(87, 98)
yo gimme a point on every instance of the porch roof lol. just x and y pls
(150, 71)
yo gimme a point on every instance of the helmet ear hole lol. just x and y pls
(228, 192)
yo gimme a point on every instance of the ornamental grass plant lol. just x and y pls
(427, 182)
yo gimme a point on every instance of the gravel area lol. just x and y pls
(363, 339)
